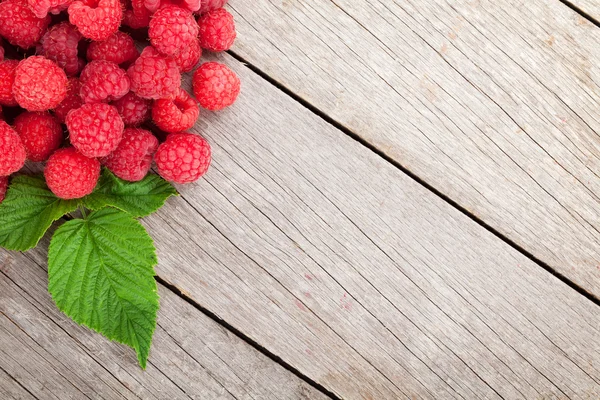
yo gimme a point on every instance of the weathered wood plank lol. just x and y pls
(357, 276)
(590, 7)
(493, 103)
(44, 354)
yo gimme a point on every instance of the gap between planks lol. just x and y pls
(348, 132)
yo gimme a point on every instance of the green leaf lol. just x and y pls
(137, 198)
(101, 274)
(28, 211)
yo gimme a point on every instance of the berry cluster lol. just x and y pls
(77, 94)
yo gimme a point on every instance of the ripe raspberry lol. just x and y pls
(217, 30)
(3, 187)
(189, 5)
(40, 84)
(95, 129)
(40, 133)
(103, 81)
(215, 86)
(19, 25)
(41, 8)
(1, 50)
(71, 175)
(119, 48)
(154, 76)
(138, 16)
(210, 5)
(131, 161)
(59, 44)
(175, 115)
(172, 30)
(133, 109)
(12, 151)
(183, 158)
(188, 58)
(1, 114)
(7, 79)
(72, 101)
(96, 19)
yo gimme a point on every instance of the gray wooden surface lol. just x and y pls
(332, 259)
(590, 7)
(44, 355)
(357, 276)
(493, 103)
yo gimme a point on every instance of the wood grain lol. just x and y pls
(590, 7)
(44, 355)
(366, 282)
(493, 103)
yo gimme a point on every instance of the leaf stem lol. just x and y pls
(82, 209)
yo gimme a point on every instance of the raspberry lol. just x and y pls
(71, 175)
(19, 25)
(40, 133)
(12, 151)
(172, 30)
(133, 109)
(40, 84)
(175, 115)
(138, 16)
(3, 187)
(41, 8)
(217, 30)
(132, 159)
(95, 129)
(210, 5)
(96, 19)
(72, 101)
(183, 158)
(118, 48)
(189, 5)
(59, 44)
(7, 79)
(1, 114)
(1, 50)
(154, 76)
(215, 86)
(188, 58)
(103, 80)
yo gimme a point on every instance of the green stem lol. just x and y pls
(82, 209)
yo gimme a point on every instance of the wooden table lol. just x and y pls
(404, 203)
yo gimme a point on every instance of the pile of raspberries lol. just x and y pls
(78, 94)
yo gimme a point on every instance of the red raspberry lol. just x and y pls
(95, 129)
(189, 5)
(133, 109)
(138, 16)
(119, 48)
(103, 81)
(217, 30)
(175, 115)
(40, 84)
(40, 133)
(154, 76)
(215, 86)
(19, 25)
(12, 151)
(1, 50)
(183, 158)
(172, 30)
(59, 44)
(41, 8)
(72, 101)
(132, 159)
(1, 114)
(3, 187)
(210, 5)
(188, 58)
(96, 19)
(7, 79)
(71, 175)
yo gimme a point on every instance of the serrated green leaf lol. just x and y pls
(137, 198)
(28, 211)
(101, 274)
